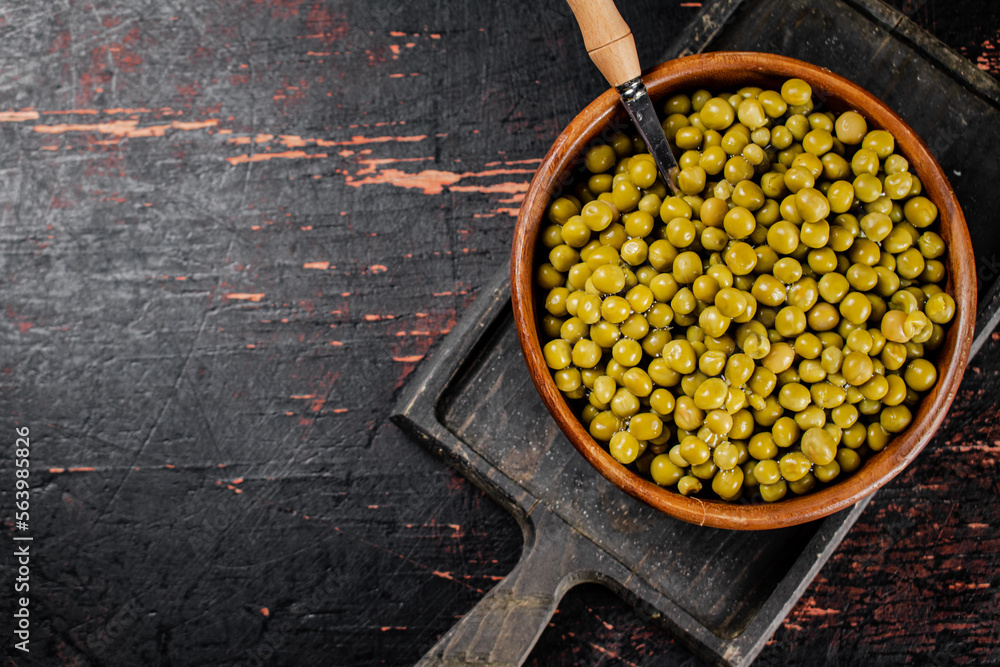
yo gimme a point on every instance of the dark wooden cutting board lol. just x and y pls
(722, 592)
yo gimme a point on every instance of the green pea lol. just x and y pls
(818, 446)
(558, 354)
(794, 466)
(624, 447)
(609, 279)
(895, 419)
(664, 471)
(851, 127)
(728, 483)
(717, 114)
(940, 308)
(600, 158)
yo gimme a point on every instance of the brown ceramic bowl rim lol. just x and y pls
(727, 71)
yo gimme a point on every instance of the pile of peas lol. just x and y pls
(766, 331)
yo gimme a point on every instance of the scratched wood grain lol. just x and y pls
(230, 230)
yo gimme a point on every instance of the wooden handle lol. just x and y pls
(608, 39)
(502, 629)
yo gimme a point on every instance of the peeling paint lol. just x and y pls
(125, 128)
(261, 157)
(243, 296)
(432, 181)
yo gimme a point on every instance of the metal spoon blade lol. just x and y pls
(640, 108)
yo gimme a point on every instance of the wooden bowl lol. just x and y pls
(729, 71)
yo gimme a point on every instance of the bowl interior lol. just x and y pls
(729, 71)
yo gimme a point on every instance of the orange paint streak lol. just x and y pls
(512, 162)
(83, 469)
(394, 48)
(423, 332)
(396, 76)
(433, 182)
(125, 128)
(265, 611)
(359, 140)
(57, 470)
(72, 112)
(322, 266)
(378, 268)
(969, 586)
(339, 410)
(356, 140)
(612, 654)
(371, 164)
(187, 126)
(260, 157)
(292, 141)
(317, 53)
(17, 116)
(165, 110)
(396, 33)
(410, 359)
(295, 141)
(303, 397)
(336, 343)
(243, 296)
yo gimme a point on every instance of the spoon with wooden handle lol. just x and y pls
(611, 46)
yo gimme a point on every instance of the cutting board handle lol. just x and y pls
(502, 629)
(608, 39)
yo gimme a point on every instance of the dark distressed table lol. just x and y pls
(229, 231)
